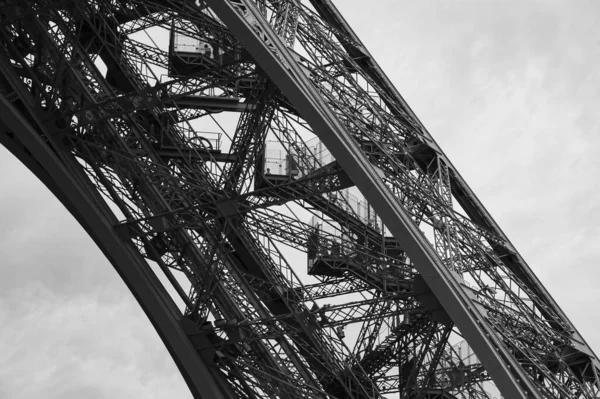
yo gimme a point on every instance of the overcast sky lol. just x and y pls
(509, 89)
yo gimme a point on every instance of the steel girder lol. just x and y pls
(286, 70)
(223, 222)
(20, 136)
(248, 24)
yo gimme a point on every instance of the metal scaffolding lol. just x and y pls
(317, 240)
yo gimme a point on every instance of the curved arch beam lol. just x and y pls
(22, 139)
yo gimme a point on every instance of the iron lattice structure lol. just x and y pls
(281, 215)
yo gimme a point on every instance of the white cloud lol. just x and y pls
(58, 347)
(509, 89)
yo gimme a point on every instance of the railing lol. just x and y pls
(277, 161)
(280, 162)
(462, 352)
(190, 45)
(202, 139)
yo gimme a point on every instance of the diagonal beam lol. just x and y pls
(135, 272)
(247, 23)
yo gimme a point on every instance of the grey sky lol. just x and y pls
(509, 89)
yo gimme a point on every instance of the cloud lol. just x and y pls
(81, 346)
(70, 328)
(508, 88)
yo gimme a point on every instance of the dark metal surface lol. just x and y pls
(25, 142)
(320, 242)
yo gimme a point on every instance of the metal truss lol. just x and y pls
(311, 238)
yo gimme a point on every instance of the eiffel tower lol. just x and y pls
(312, 238)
